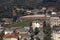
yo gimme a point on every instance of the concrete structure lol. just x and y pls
(37, 24)
(23, 33)
(52, 8)
(54, 13)
(34, 17)
(56, 36)
(8, 20)
(56, 33)
(55, 21)
(7, 31)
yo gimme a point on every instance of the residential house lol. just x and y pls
(58, 13)
(34, 17)
(56, 33)
(28, 12)
(23, 33)
(10, 37)
(54, 21)
(35, 24)
(52, 8)
(1, 29)
(8, 31)
(7, 20)
(35, 11)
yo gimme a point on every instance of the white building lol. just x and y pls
(55, 21)
(8, 31)
(54, 13)
(35, 24)
(56, 34)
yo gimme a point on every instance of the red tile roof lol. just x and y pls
(10, 36)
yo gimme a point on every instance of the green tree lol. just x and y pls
(1, 36)
(33, 32)
(37, 38)
(36, 31)
(47, 31)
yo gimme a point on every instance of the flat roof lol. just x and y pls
(35, 17)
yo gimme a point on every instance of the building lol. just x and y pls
(37, 24)
(8, 31)
(56, 33)
(34, 17)
(51, 8)
(23, 33)
(58, 13)
(54, 21)
(7, 20)
(10, 37)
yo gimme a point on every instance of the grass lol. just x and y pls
(22, 24)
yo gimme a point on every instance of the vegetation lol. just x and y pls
(36, 31)
(23, 23)
(33, 32)
(1, 35)
(37, 38)
(47, 31)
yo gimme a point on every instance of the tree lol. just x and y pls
(32, 33)
(14, 18)
(37, 38)
(47, 31)
(36, 31)
(49, 12)
(1, 35)
(44, 27)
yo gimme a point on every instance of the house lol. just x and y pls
(52, 8)
(35, 11)
(58, 13)
(54, 21)
(34, 17)
(23, 33)
(35, 24)
(1, 29)
(56, 33)
(7, 31)
(28, 11)
(10, 37)
(7, 20)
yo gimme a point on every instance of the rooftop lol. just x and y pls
(10, 36)
(35, 16)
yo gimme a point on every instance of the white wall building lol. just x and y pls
(9, 39)
(8, 32)
(55, 21)
(37, 24)
(56, 35)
